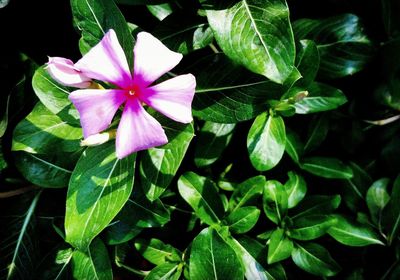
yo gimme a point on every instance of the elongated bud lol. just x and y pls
(64, 71)
(98, 139)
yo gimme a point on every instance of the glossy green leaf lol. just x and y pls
(93, 263)
(159, 165)
(275, 201)
(160, 11)
(377, 197)
(4, 117)
(316, 205)
(296, 188)
(184, 33)
(243, 219)
(294, 147)
(99, 187)
(355, 189)
(331, 168)
(315, 259)
(391, 213)
(56, 264)
(202, 196)
(256, 34)
(212, 140)
(94, 18)
(280, 247)
(45, 170)
(317, 132)
(352, 233)
(247, 192)
(321, 97)
(307, 62)
(156, 251)
(253, 256)
(54, 96)
(165, 271)
(311, 227)
(266, 141)
(236, 95)
(140, 2)
(43, 132)
(342, 43)
(212, 258)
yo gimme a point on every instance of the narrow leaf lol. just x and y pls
(310, 227)
(330, 168)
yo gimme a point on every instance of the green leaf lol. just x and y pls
(342, 43)
(243, 219)
(296, 188)
(280, 247)
(294, 147)
(140, 2)
(377, 198)
(275, 201)
(43, 132)
(321, 97)
(389, 16)
(19, 246)
(156, 251)
(202, 196)
(211, 142)
(247, 192)
(184, 33)
(212, 258)
(56, 264)
(99, 187)
(165, 271)
(94, 18)
(159, 165)
(311, 227)
(160, 11)
(93, 263)
(45, 170)
(235, 96)
(352, 233)
(266, 141)
(314, 259)
(253, 256)
(355, 189)
(307, 62)
(391, 213)
(331, 168)
(4, 118)
(258, 35)
(54, 96)
(316, 205)
(317, 132)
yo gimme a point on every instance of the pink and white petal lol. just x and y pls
(107, 62)
(96, 108)
(137, 130)
(152, 59)
(173, 98)
(64, 72)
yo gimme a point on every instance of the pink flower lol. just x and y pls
(65, 72)
(137, 129)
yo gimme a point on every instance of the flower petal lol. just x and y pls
(152, 59)
(137, 130)
(96, 108)
(173, 98)
(107, 62)
(64, 71)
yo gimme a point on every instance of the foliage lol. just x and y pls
(290, 169)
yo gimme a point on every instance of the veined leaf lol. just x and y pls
(211, 142)
(307, 62)
(94, 18)
(159, 165)
(317, 132)
(266, 141)
(99, 187)
(314, 259)
(294, 147)
(391, 213)
(93, 263)
(212, 258)
(202, 196)
(296, 189)
(330, 168)
(377, 197)
(258, 35)
(316, 205)
(243, 219)
(156, 251)
(165, 271)
(280, 247)
(247, 192)
(275, 201)
(160, 11)
(311, 227)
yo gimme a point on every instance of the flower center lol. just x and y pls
(131, 92)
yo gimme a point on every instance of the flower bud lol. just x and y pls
(64, 71)
(98, 139)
